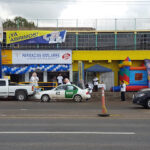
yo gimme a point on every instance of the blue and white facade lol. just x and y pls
(26, 61)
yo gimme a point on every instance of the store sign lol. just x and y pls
(1, 31)
(41, 57)
(6, 57)
(35, 37)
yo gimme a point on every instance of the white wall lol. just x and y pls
(108, 79)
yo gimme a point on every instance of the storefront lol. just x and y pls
(19, 64)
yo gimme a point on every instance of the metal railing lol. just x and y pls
(89, 24)
(43, 85)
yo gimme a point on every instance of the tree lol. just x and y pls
(18, 22)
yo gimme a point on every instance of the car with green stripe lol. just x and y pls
(64, 91)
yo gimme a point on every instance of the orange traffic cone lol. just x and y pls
(104, 110)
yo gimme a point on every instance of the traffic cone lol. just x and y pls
(104, 110)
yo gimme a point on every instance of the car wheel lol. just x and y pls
(77, 98)
(21, 96)
(45, 98)
(148, 104)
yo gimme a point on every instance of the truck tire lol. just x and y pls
(21, 96)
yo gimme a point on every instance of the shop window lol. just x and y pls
(138, 76)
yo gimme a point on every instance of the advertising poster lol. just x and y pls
(35, 37)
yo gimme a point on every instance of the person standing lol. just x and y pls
(66, 81)
(60, 79)
(95, 82)
(34, 80)
(123, 90)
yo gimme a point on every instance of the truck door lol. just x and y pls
(3, 88)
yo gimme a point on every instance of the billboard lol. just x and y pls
(36, 57)
(35, 37)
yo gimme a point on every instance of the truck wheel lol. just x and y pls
(45, 98)
(77, 98)
(21, 96)
(148, 104)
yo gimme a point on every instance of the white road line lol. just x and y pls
(102, 133)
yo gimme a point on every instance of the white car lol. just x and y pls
(64, 92)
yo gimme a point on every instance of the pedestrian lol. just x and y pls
(34, 80)
(60, 79)
(123, 90)
(95, 82)
(66, 81)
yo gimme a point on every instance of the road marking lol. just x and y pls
(102, 133)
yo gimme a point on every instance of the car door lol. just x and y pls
(71, 90)
(60, 92)
(3, 88)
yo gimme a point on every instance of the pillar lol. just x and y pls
(45, 76)
(70, 74)
(27, 77)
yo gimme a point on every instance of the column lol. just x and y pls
(96, 40)
(115, 40)
(134, 40)
(70, 74)
(76, 40)
(27, 77)
(45, 76)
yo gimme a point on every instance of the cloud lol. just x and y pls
(31, 8)
(71, 9)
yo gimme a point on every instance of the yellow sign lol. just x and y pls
(6, 57)
(17, 36)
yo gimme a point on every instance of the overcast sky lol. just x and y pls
(74, 9)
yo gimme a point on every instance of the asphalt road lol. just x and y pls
(73, 126)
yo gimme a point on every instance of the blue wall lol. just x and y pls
(144, 81)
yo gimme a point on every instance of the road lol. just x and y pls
(73, 126)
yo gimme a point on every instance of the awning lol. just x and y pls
(31, 68)
(98, 68)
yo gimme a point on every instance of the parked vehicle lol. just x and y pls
(142, 97)
(19, 91)
(64, 92)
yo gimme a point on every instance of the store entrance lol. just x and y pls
(52, 76)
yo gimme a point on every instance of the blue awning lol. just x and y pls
(98, 68)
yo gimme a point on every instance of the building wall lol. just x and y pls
(109, 59)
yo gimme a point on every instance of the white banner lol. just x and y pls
(41, 57)
(1, 31)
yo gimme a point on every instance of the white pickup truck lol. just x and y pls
(19, 91)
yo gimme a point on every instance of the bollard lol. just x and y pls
(104, 110)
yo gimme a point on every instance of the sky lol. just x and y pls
(74, 9)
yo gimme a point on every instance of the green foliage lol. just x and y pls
(18, 22)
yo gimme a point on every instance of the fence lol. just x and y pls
(94, 41)
(90, 24)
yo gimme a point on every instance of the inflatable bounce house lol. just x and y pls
(135, 78)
